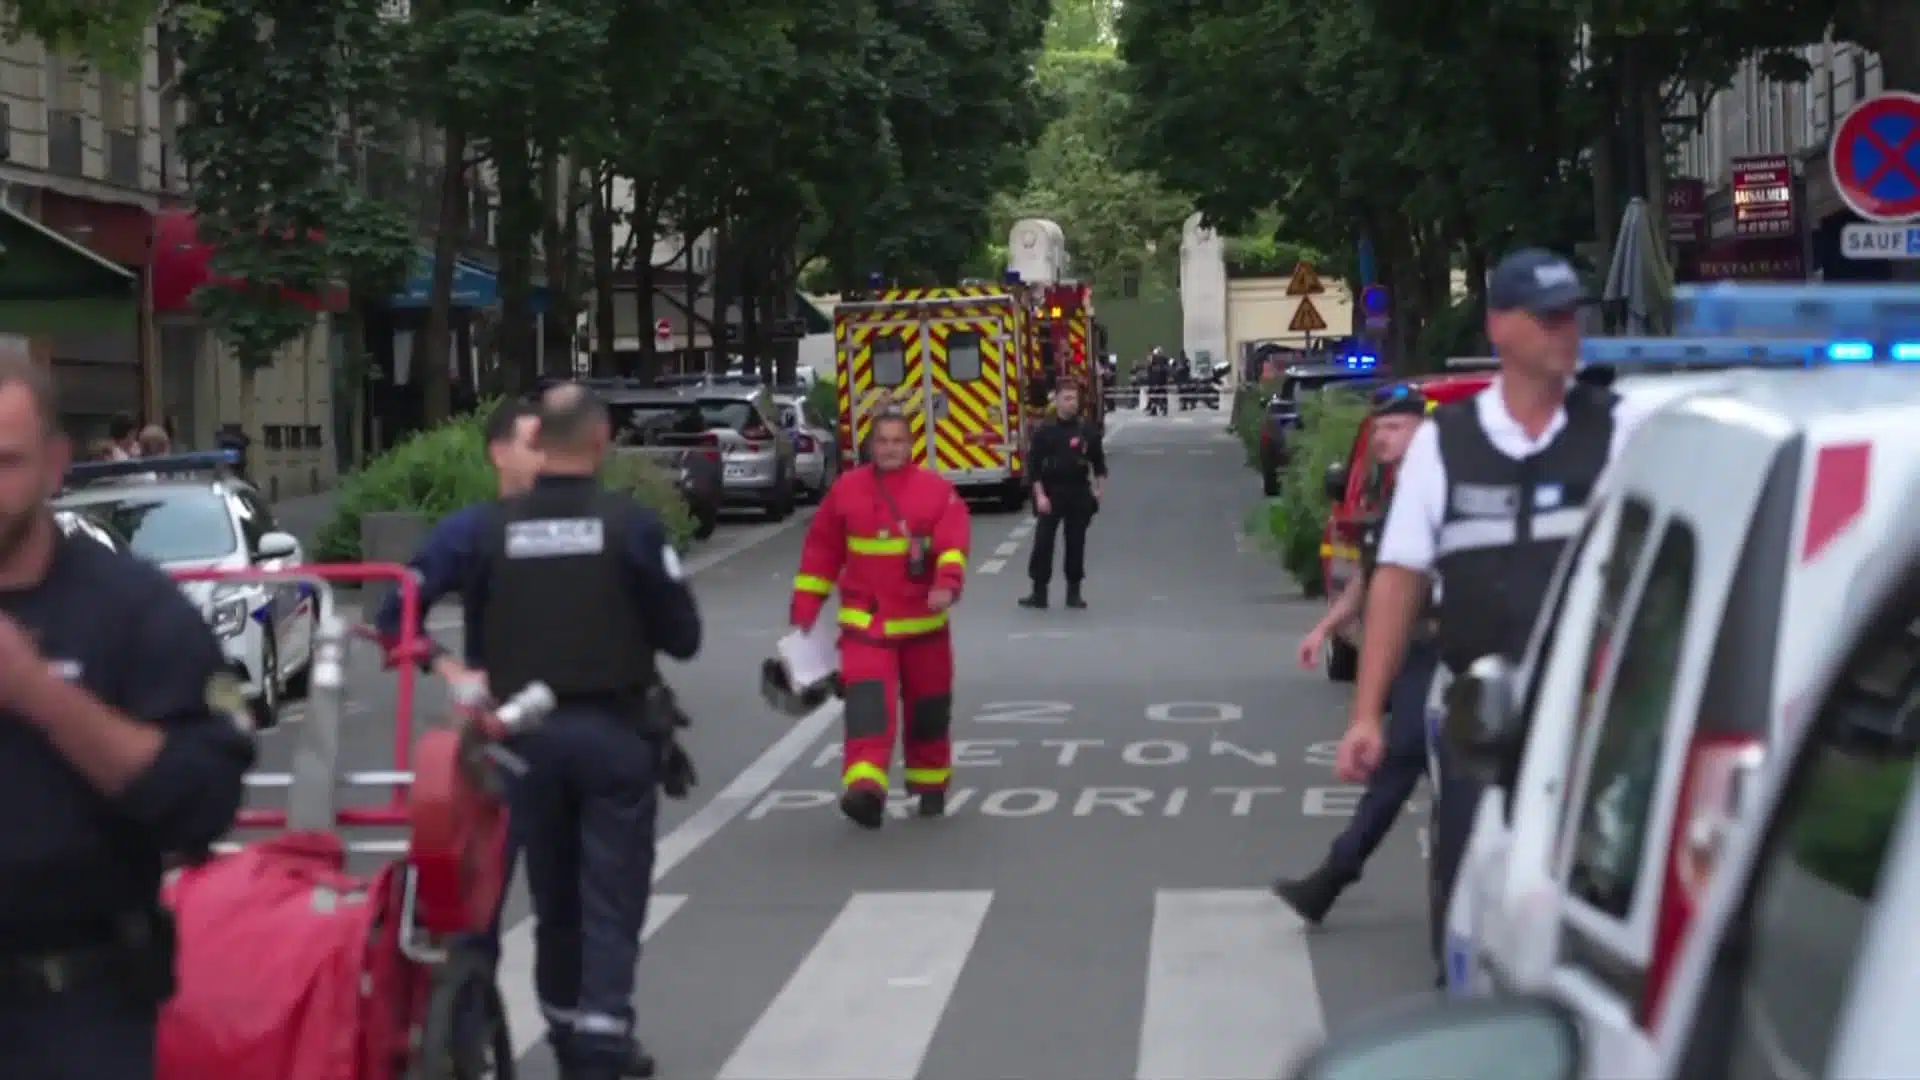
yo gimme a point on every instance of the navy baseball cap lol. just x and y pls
(1535, 280)
(1398, 399)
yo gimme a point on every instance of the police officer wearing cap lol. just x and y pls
(1070, 474)
(578, 588)
(1395, 415)
(1491, 490)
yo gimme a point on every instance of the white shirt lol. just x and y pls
(1411, 535)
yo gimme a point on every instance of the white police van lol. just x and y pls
(1798, 954)
(189, 512)
(1689, 624)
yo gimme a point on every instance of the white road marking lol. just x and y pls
(1230, 988)
(890, 959)
(516, 973)
(1011, 547)
(1151, 451)
(993, 566)
(515, 976)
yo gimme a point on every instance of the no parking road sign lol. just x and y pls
(1875, 158)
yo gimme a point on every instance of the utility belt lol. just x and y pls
(134, 954)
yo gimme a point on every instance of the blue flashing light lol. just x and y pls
(210, 462)
(1904, 352)
(1362, 362)
(1696, 353)
(875, 280)
(1850, 352)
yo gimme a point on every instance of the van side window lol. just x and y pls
(1630, 539)
(1780, 982)
(1617, 798)
(963, 356)
(889, 360)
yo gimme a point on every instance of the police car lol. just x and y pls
(1689, 624)
(188, 512)
(1803, 953)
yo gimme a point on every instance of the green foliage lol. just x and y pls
(1851, 809)
(1248, 413)
(1329, 421)
(1263, 256)
(824, 398)
(109, 34)
(267, 84)
(444, 469)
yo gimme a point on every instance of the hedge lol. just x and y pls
(437, 472)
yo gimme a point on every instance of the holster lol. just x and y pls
(662, 718)
(137, 959)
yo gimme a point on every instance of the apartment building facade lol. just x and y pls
(88, 163)
(1757, 131)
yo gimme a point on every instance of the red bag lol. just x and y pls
(274, 942)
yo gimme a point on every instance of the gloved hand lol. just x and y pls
(678, 777)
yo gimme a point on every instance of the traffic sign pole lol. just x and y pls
(1875, 158)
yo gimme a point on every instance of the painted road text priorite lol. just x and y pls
(1192, 770)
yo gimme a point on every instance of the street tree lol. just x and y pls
(269, 85)
(110, 34)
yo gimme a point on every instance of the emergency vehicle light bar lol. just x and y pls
(1697, 352)
(1883, 313)
(211, 463)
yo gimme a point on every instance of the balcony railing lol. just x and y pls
(64, 150)
(123, 158)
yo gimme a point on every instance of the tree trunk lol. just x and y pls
(436, 387)
(725, 291)
(519, 222)
(600, 225)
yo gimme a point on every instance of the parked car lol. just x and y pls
(816, 453)
(86, 527)
(756, 452)
(188, 512)
(670, 428)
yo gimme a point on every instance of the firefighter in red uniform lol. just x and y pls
(893, 537)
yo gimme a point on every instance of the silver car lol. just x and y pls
(816, 453)
(756, 452)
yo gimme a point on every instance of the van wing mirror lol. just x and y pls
(1482, 721)
(1336, 482)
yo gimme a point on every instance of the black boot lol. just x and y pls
(1037, 600)
(1314, 895)
(933, 804)
(865, 807)
(1073, 597)
(639, 1065)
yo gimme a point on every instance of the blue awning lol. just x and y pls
(474, 286)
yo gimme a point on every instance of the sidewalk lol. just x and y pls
(303, 515)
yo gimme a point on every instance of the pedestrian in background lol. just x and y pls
(155, 442)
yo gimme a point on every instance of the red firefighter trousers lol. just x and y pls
(882, 676)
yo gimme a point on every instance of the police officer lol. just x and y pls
(1159, 371)
(1183, 378)
(1491, 490)
(1070, 474)
(121, 744)
(1395, 415)
(576, 588)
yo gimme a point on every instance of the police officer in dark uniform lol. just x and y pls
(1183, 380)
(1396, 414)
(1070, 474)
(1159, 371)
(1491, 490)
(121, 745)
(578, 588)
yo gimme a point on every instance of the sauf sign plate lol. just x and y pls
(1880, 242)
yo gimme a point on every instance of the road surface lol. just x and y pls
(1128, 779)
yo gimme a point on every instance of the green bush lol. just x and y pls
(824, 399)
(437, 472)
(1248, 412)
(1851, 808)
(1328, 424)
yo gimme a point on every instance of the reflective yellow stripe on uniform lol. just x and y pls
(809, 583)
(928, 776)
(952, 558)
(860, 772)
(877, 545)
(863, 620)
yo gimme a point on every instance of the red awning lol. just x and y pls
(182, 264)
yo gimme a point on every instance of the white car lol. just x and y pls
(1803, 959)
(1692, 623)
(816, 452)
(215, 522)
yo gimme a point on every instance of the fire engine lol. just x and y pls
(969, 365)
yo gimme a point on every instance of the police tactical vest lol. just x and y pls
(1066, 463)
(1506, 522)
(560, 604)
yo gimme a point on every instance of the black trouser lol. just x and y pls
(1401, 766)
(1157, 399)
(1072, 505)
(588, 805)
(93, 1031)
(1456, 803)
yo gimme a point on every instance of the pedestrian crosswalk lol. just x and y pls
(1172, 984)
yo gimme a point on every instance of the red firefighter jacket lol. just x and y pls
(857, 541)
